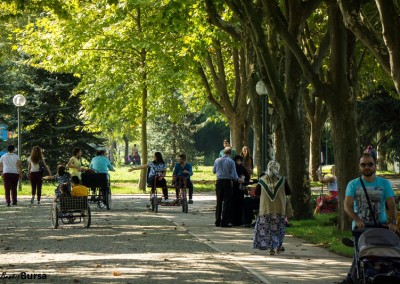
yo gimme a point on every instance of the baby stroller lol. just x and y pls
(377, 256)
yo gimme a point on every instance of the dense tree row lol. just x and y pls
(316, 59)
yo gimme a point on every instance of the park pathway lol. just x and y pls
(300, 263)
(130, 244)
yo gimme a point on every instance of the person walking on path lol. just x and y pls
(10, 167)
(376, 189)
(74, 165)
(36, 168)
(269, 231)
(184, 169)
(227, 144)
(225, 170)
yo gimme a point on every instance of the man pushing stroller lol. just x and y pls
(365, 202)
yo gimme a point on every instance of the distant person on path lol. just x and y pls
(269, 231)
(184, 169)
(247, 160)
(74, 165)
(156, 174)
(379, 191)
(10, 167)
(225, 169)
(36, 165)
(238, 192)
(226, 144)
(331, 182)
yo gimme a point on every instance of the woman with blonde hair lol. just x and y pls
(331, 181)
(36, 168)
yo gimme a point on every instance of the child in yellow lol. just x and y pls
(77, 188)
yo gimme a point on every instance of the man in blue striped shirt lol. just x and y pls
(225, 169)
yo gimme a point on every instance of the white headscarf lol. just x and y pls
(273, 169)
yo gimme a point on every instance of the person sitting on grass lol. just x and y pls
(77, 188)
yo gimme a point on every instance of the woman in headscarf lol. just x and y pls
(269, 230)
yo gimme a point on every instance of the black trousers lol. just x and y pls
(159, 183)
(251, 204)
(189, 186)
(237, 205)
(223, 190)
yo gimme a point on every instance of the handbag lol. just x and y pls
(42, 167)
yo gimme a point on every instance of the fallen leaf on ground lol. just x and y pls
(116, 273)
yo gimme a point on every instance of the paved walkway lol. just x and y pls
(300, 263)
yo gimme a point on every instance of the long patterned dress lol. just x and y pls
(269, 231)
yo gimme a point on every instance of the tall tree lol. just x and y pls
(51, 118)
(382, 41)
(284, 92)
(121, 51)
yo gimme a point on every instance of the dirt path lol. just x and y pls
(127, 244)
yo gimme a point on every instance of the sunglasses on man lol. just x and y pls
(370, 165)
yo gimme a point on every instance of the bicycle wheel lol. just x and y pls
(155, 204)
(87, 217)
(185, 206)
(108, 199)
(54, 216)
(184, 201)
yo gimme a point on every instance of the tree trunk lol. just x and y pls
(317, 118)
(342, 107)
(143, 173)
(126, 148)
(298, 176)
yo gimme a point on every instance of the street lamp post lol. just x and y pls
(19, 101)
(261, 89)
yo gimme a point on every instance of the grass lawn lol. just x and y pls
(124, 182)
(320, 230)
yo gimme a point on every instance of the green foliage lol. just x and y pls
(51, 117)
(380, 112)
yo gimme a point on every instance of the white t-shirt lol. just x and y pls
(34, 166)
(9, 161)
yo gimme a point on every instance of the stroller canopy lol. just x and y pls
(379, 242)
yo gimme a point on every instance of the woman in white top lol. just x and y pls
(331, 181)
(36, 169)
(10, 166)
